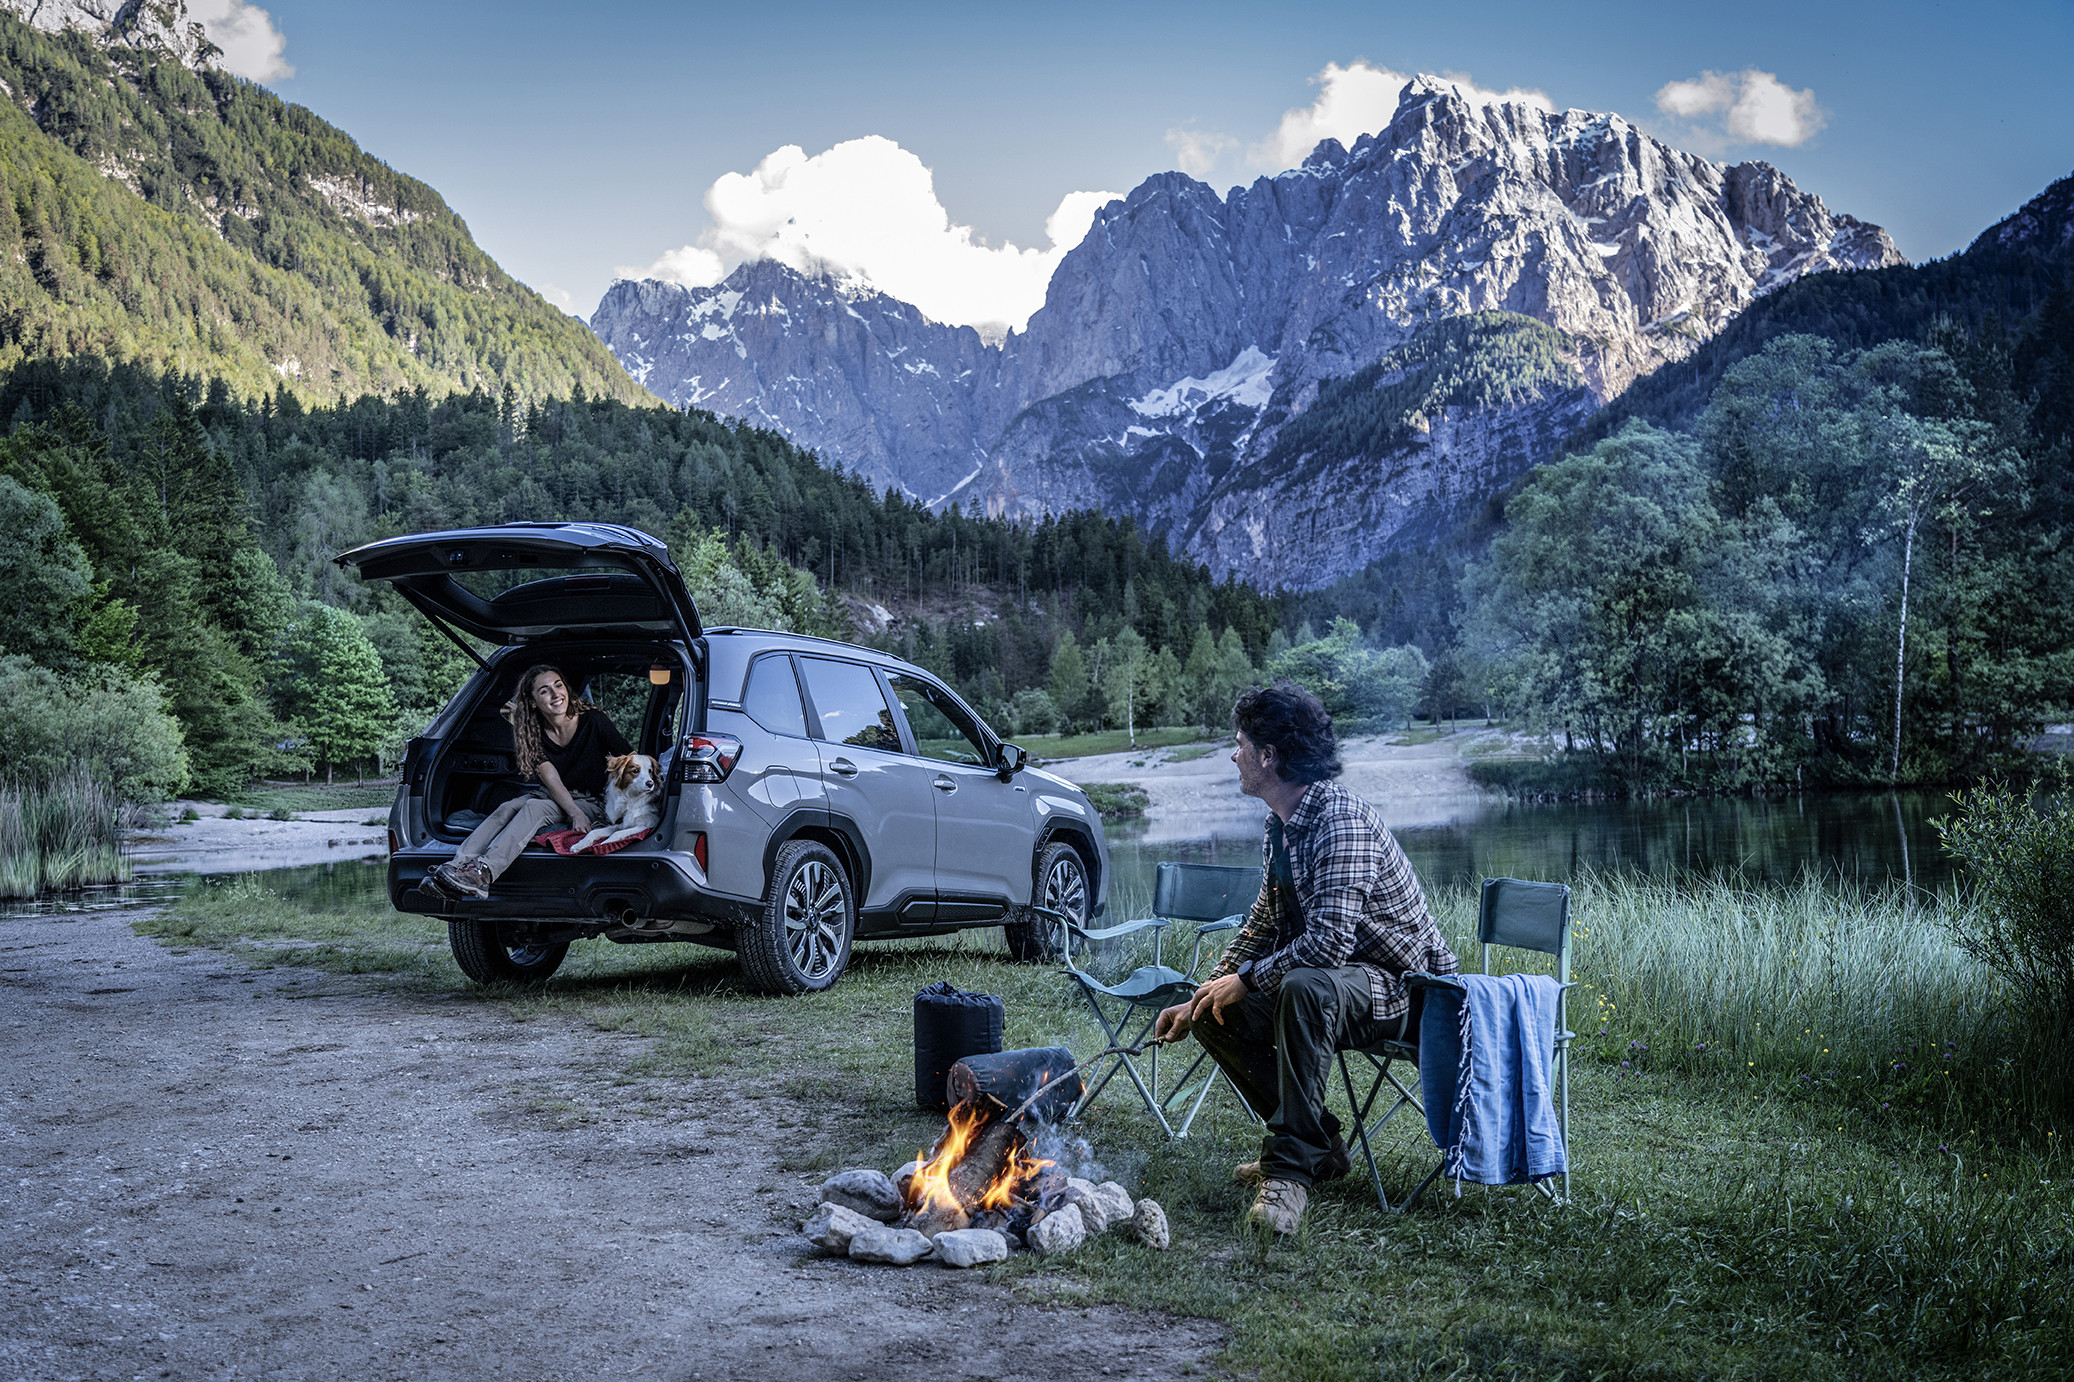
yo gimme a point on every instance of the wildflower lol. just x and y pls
(1886, 1106)
(1623, 1065)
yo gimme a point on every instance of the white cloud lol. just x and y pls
(560, 297)
(251, 45)
(1198, 152)
(1748, 107)
(866, 211)
(1359, 99)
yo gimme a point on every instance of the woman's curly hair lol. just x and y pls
(528, 730)
(1294, 723)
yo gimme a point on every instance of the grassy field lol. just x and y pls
(1053, 746)
(1801, 1148)
(342, 796)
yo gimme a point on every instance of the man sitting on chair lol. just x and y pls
(1319, 965)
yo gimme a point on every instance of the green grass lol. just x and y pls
(59, 835)
(1761, 1208)
(1055, 746)
(344, 796)
(1116, 799)
(1188, 753)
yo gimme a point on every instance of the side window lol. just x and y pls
(850, 705)
(772, 697)
(943, 730)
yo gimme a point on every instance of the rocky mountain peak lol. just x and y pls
(160, 26)
(1188, 330)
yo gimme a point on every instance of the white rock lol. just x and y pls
(1149, 1222)
(1062, 1230)
(1094, 1211)
(1116, 1200)
(970, 1247)
(834, 1225)
(904, 1177)
(894, 1247)
(868, 1192)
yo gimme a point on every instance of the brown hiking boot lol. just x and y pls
(1280, 1206)
(1337, 1164)
(470, 880)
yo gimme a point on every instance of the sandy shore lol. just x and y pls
(216, 844)
(1411, 784)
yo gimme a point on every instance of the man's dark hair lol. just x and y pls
(1294, 723)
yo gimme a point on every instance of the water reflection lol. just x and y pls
(1870, 837)
(348, 881)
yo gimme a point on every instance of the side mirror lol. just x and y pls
(1013, 760)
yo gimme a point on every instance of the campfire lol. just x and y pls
(991, 1184)
(984, 1172)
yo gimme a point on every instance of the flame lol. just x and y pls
(931, 1185)
(1022, 1168)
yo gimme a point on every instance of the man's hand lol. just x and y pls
(1172, 1024)
(1214, 997)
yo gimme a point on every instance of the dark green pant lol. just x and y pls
(1278, 1049)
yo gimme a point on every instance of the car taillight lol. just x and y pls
(709, 757)
(698, 848)
(394, 843)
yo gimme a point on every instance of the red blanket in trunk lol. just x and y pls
(560, 841)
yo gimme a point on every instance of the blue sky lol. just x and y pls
(580, 140)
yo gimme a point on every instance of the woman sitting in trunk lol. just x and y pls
(563, 742)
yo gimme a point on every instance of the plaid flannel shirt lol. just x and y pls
(1356, 901)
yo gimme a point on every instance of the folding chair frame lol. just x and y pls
(1542, 925)
(1181, 893)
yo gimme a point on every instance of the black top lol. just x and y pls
(581, 761)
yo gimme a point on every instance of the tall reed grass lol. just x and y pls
(60, 834)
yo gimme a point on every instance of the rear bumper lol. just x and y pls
(554, 887)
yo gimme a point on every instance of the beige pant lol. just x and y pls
(512, 826)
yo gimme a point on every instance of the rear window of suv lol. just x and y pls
(772, 697)
(851, 707)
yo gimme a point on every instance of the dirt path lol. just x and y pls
(1414, 784)
(215, 1172)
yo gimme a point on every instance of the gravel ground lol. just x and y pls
(216, 1172)
(1410, 784)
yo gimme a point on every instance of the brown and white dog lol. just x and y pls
(633, 800)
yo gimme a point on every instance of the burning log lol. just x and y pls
(982, 1170)
(1013, 1078)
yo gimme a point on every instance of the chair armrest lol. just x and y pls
(1195, 953)
(1419, 979)
(1122, 928)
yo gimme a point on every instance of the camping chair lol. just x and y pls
(1524, 916)
(1126, 1010)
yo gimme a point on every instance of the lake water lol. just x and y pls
(1869, 838)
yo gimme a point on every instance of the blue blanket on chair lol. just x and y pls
(1484, 1059)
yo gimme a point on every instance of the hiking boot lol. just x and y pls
(1279, 1207)
(1337, 1163)
(469, 881)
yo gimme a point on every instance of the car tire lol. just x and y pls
(801, 943)
(487, 958)
(1058, 880)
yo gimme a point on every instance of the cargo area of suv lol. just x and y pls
(813, 792)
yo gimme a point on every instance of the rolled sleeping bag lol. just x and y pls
(1010, 1078)
(949, 1026)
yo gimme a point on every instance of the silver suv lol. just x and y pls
(818, 793)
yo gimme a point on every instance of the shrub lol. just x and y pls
(2018, 852)
(112, 723)
(1034, 712)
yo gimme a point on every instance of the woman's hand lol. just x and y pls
(579, 821)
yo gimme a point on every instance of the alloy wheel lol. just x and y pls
(814, 919)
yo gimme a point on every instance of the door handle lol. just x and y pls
(843, 767)
(944, 783)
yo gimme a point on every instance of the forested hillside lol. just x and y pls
(195, 222)
(181, 538)
(1831, 546)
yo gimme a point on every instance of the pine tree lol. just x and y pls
(340, 695)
